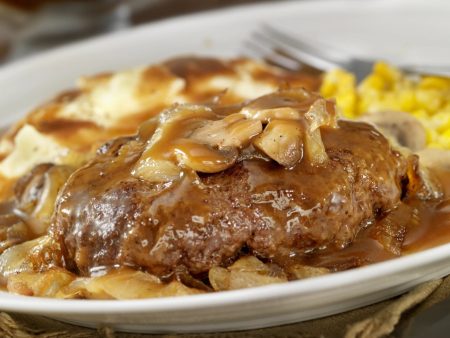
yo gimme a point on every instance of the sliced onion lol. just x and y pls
(17, 258)
(246, 272)
(203, 158)
(233, 131)
(36, 195)
(125, 284)
(266, 115)
(194, 137)
(156, 170)
(314, 148)
(41, 284)
(305, 271)
(156, 164)
(316, 117)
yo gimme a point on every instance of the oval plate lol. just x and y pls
(355, 26)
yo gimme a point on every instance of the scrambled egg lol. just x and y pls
(387, 89)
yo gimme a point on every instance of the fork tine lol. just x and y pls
(269, 55)
(290, 51)
(303, 57)
(301, 65)
(319, 49)
(277, 57)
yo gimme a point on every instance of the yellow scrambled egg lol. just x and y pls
(388, 89)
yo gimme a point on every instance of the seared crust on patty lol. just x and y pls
(106, 217)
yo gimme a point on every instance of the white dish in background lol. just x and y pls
(411, 32)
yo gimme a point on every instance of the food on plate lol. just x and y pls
(425, 98)
(68, 129)
(200, 175)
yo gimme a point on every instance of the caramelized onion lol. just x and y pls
(16, 258)
(266, 115)
(246, 272)
(305, 271)
(316, 117)
(314, 148)
(12, 233)
(156, 170)
(41, 284)
(124, 284)
(197, 138)
(287, 104)
(202, 158)
(156, 163)
(36, 195)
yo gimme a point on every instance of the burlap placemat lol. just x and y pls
(377, 320)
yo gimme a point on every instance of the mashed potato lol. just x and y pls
(68, 129)
(387, 89)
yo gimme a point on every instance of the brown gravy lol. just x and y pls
(434, 228)
(430, 227)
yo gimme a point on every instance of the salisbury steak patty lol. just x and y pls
(107, 217)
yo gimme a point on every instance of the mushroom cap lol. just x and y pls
(401, 127)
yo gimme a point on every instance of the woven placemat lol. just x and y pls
(377, 320)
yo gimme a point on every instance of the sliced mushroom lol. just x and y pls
(282, 141)
(196, 137)
(241, 132)
(192, 137)
(232, 131)
(401, 127)
(177, 122)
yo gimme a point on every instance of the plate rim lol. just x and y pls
(31, 304)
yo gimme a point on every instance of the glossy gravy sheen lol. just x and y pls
(428, 225)
(263, 194)
(358, 207)
(434, 227)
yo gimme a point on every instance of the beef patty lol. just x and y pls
(106, 217)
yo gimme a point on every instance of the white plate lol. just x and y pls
(401, 31)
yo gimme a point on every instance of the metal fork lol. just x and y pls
(295, 53)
